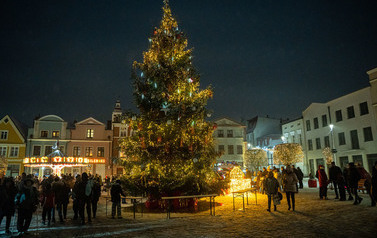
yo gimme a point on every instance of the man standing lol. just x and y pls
(334, 173)
(354, 177)
(300, 177)
(116, 191)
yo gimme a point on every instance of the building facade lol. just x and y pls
(293, 132)
(259, 127)
(229, 138)
(46, 131)
(12, 144)
(90, 139)
(347, 125)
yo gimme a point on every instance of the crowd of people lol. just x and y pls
(348, 181)
(26, 193)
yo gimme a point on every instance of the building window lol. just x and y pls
(318, 143)
(14, 151)
(327, 141)
(338, 115)
(100, 151)
(316, 123)
(55, 134)
(229, 133)
(230, 150)
(324, 120)
(368, 136)
(89, 133)
(37, 150)
(364, 108)
(350, 112)
(341, 138)
(221, 148)
(48, 149)
(44, 134)
(88, 151)
(76, 151)
(307, 125)
(4, 135)
(357, 159)
(239, 149)
(220, 133)
(354, 139)
(3, 151)
(310, 145)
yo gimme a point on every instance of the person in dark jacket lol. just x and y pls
(116, 191)
(8, 192)
(48, 203)
(374, 183)
(290, 187)
(346, 180)
(82, 198)
(300, 177)
(323, 181)
(368, 181)
(75, 205)
(334, 173)
(96, 193)
(271, 186)
(27, 201)
(354, 177)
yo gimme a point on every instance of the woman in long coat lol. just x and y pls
(323, 181)
(290, 186)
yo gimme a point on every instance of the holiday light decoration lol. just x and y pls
(255, 158)
(327, 153)
(288, 153)
(172, 145)
(3, 165)
(238, 180)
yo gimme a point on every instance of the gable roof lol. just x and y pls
(19, 127)
(90, 121)
(227, 122)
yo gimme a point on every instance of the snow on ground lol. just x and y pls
(313, 218)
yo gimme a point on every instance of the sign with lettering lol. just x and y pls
(63, 160)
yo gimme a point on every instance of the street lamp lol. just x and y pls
(283, 139)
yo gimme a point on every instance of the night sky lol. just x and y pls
(73, 58)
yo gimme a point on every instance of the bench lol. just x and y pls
(211, 202)
(241, 193)
(134, 201)
(360, 185)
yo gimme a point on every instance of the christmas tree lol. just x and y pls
(171, 149)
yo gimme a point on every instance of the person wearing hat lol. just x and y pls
(26, 200)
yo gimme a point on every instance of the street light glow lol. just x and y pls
(331, 126)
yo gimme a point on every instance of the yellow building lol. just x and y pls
(12, 144)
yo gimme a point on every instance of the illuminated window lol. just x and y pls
(37, 150)
(55, 134)
(44, 134)
(13, 152)
(88, 151)
(89, 133)
(76, 151)
(4, 135)
(100, 151)
(3, 151)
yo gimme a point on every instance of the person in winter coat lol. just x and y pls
(368, 181)
(334, 173)
(374, 183)
(27, 202)
(290, 187)
(116, 191)
(48, 203)
(323, 181)
(271, 187)
(83, 198)
(346, 181)
(96, 193)
(300, 177)
(354, 177)
(8, 192)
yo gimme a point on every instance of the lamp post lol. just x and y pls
(333, 150)
(283, 139)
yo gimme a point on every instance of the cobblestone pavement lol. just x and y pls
(313, 218)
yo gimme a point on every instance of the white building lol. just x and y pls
(353, 137)
(293, 132)
(229, 137)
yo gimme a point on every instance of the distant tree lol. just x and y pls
(327, 153)
(3, 166)
(255, 158)
(288, 153)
